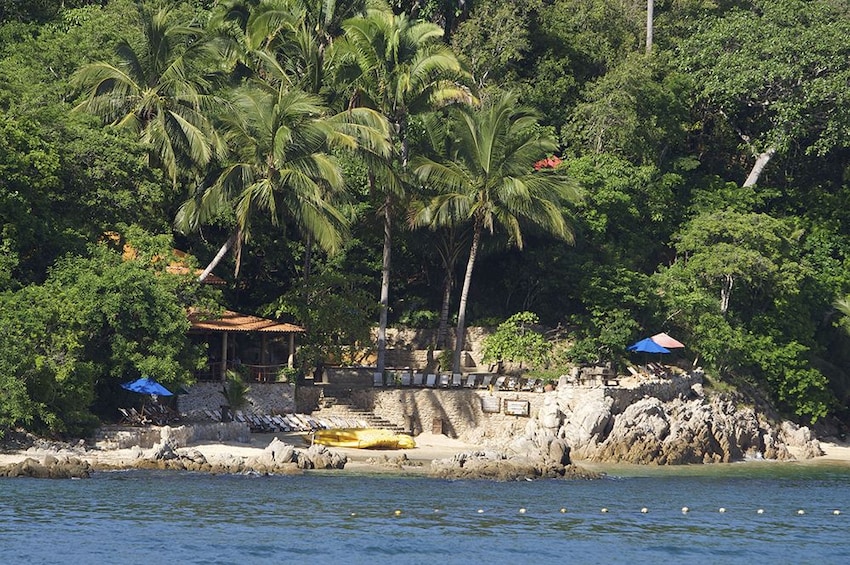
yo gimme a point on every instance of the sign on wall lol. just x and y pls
(491, 404)
(517, 407)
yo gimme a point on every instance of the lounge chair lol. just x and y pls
(485, 381)
(445, 381)
(418, 379)
(528, 385)
(377, 379)
(500, 382)
(470, 382)
(431, 380)
(457, 380)
(406, 378)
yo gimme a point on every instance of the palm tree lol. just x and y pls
(280, 141)
(154, 92)
(399, 68)
(283, 45)
(487, 178)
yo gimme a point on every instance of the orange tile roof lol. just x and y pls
(230, 321)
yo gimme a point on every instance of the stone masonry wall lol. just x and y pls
(459, 411)
(263, 398)
(665, 390)
(145, 438)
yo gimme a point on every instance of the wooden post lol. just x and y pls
(224, 357)
(290, 361)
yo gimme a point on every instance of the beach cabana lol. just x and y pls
(241, 341)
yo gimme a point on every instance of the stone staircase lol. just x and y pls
(341, 407)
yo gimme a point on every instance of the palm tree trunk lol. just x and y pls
(385, 288)
(449, 250)
(218, 257)
(443, 328)
(461, 312)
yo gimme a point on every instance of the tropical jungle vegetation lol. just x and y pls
(607, 168)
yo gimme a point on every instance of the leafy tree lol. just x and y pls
(572, 43)
(774, 72)
(516, 340)
(156, 92)
(487, 176)
(97, 321)
(28, 178)
(724, 248)
(494, 39)
(335, 307)
(633, 111)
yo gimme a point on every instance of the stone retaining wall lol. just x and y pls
(459, 412)
(666, 389)
(263, 398)
(124, 438)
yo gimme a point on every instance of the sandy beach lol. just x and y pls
(428, 448)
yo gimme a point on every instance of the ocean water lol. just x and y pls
(174, 518)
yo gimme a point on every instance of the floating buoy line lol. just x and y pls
(606, 510)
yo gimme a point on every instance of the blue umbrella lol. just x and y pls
(646, 345)
(145, 385)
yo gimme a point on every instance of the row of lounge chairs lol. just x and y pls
(650, 370)
(152, 414)
(457, 380)
(270, 423)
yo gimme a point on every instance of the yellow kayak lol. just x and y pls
(366, 438)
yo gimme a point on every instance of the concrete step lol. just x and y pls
(341, 407)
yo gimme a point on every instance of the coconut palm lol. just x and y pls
(399, 68)
(154, 92)
(282, 165)
(284, 44)
(487, 178)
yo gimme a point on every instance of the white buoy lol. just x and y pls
(481, 511)
(722, 510)
(644, 510)
(563, 510)
(685, 509)
(522, 510)
(760, 511)
(604, 510)
(397, 512)
(800, 512)
(354, 513)
(836, 512)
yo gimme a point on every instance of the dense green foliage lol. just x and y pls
(713, 175)
(517, 340)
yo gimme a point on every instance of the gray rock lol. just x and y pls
(588, 422)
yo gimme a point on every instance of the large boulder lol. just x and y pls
(588, 423)
(637, 433)
(801, 439)
(52, 467)
(498, 466)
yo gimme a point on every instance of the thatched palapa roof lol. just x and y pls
(230, 321)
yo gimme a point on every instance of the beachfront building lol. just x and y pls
(259, 348)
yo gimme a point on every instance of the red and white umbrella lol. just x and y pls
(665, 340)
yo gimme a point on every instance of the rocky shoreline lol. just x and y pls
(690, 427)
(679, 424)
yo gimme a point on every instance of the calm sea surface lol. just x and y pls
(168, 517)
